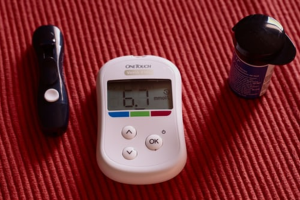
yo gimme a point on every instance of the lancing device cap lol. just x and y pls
(262, 38)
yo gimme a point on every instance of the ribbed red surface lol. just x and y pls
(237, 149)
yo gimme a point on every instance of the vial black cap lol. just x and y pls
(262, 38)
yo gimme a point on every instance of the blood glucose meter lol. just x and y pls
(140, 127)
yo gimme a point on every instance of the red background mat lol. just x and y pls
(237, 148)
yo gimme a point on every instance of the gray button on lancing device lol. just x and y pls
(51, 95)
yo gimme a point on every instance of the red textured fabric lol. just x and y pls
(237, 148)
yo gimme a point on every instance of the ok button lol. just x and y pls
(154, 142)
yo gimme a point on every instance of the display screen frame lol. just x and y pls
(139, 94)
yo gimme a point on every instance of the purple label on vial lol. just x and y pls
(246, 80)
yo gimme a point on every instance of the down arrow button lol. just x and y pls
(129, 153)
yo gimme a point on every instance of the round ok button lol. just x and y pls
(154, 142)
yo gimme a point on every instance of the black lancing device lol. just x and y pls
(52, 97)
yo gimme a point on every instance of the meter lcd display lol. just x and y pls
(139, 94)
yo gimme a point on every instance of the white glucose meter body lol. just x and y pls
(140, 127)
